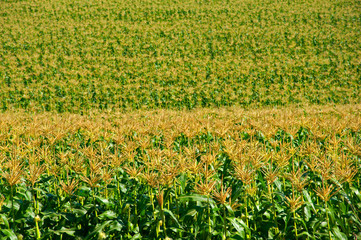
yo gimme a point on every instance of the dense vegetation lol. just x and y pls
(74, 56)
(230, 174)
(178, 120)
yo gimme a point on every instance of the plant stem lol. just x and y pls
(135, 208)
(38, 235)
(284, 184)
(94, 204)
(152, 201)
(274, 210)
(224, 224)
(295, 224)
(328, 222)
(250, 236)
(246, 208)
(118, 190)
(12, 207)
(34, 199)
(163, 220)
(176, 198)
(128, 220)
(209, 219)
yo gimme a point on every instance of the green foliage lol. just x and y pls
(93, 186)
(68, 56)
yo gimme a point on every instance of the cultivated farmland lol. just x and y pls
(180, 119)
(74, 56)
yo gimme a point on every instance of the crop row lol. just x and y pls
(100, 177)
(73, 57)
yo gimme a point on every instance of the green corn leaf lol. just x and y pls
(9, 234)
(240, 226)
(4, 220)
(107, 215)
(98, 228)
(338, 234)
(172, 216)
(308, 199)
(70, 232)
(196, 198)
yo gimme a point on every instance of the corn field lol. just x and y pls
(209, 174)
(79, 56)
(194, 119)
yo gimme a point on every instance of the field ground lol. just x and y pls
(236, 119)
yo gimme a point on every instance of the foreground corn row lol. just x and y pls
(221, 174)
